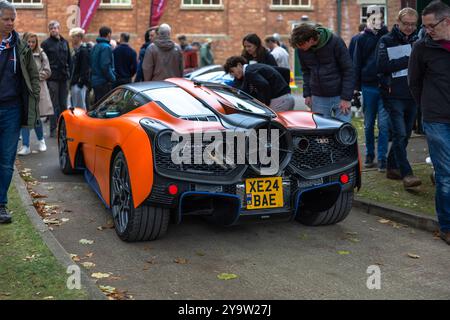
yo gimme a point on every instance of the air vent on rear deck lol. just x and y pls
(201, 118)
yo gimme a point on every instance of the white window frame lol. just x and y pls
(201, 6)
(291, 6)
(363, 19)
(19, 4)
(123, 4)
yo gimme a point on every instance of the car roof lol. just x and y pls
(143, 86)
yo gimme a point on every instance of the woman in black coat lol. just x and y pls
(255, 52)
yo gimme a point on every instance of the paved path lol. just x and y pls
(282, 260)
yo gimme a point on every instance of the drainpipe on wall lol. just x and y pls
(339, 16)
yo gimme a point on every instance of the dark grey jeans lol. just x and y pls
(59, 91)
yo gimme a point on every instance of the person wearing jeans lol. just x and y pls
(19, 98)
(373, 107)
(429, 78)
(397, 98)
(328, 76)
(45, 103)
(364, 61)
(330, 107)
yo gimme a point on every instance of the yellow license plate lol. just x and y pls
(264, 193)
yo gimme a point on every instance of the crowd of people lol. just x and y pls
(398, 72)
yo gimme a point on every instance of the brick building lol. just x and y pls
(225, 21)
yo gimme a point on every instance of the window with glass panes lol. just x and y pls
(116, 2)
(202, 2)
(291, 3)
(26, 2)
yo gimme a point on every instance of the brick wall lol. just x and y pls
(226, 26)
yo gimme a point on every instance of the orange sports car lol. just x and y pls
(157, 151)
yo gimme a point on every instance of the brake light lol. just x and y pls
(173, 189)
(344, 178)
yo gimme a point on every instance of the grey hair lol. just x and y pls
(164, 30)
(438, 8)
(54, 24)
(6, 5)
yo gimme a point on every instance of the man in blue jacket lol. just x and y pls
(102, 64)
(364, 60)
(397, 98)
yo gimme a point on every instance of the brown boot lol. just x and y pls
(393, 174)
(411, 182)
(445, 236)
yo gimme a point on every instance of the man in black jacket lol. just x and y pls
(58, 53)
(125, 61)
(397, 99)
(328, 77)
(364, 60)
(429, 81)
(81, 70)
(263, 82)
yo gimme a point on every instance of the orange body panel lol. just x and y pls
(98, 138)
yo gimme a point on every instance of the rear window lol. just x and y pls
(241, 101)
(178, 102)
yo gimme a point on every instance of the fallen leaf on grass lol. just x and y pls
(100, 275)
(413, 256)
(31, 258)
(227, 276)
(180, 261)
(88, 265)
(343, 252)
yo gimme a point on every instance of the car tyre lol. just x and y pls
(63, 150)
(144, 223)
(337, 213)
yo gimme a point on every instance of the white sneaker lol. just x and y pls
(42, 147)
(24, 150)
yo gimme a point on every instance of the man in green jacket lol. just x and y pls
(19, 97)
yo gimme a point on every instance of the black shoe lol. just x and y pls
(52, 133)
(382, 166)
(369, 162)
(5, 217)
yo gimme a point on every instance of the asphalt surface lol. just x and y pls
(272, 260)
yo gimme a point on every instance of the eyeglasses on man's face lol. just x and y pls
(433, 26)
(409, 24)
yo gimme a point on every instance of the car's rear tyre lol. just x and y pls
(337, 213)
(141, 224)
(63, 150)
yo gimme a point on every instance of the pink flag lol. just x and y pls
(87, 12)
(157, 10)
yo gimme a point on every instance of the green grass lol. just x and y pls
(32, 278)
(376, 187)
